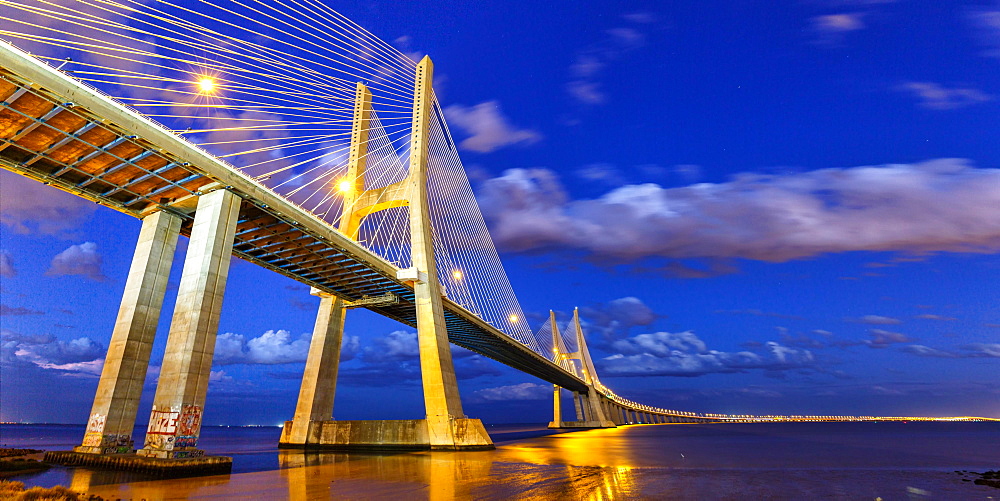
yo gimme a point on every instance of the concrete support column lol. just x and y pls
(447, 426)
(556, 406)
(441, 400)
(578, 405)
(112, 417)
(319, 380)
(175, 422)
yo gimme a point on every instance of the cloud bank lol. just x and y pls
(684, 354)
(938, 205)
(273, 347)
(586, 84)
(81, 355)
(487, 129)
(27, 206)
(939, 97)
(82, 259)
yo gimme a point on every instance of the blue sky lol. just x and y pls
(757, 209)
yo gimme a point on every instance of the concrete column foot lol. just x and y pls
(406, 434)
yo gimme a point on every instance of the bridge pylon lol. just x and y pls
(591, 406)
(445, 425)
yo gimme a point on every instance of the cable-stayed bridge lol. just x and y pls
(284, 134)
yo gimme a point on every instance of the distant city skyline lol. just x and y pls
(757, 211)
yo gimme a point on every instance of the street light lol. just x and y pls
(206, 85)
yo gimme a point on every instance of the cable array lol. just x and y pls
(468, 263)
(269, 87)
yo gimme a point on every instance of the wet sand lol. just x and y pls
(754, 461)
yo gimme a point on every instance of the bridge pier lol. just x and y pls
(616, 415)
(445, 425)
(116, 403)
(178, 405)
(589, 406)
(319, 380)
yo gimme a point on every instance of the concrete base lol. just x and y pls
(179, 453)
(205, 465)
(580, 424)
(409, 434)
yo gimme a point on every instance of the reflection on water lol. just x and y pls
(437, 475)
(848, 461)
(444, 476)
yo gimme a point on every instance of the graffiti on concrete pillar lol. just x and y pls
(188, 454)
(162, 442)
(96, 423)
(95, 429)
(190, 420)
(92, 439)
(163, 422)
(162, 428)
(188, 426)
(116, 443)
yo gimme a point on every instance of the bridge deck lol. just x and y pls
(61, 132)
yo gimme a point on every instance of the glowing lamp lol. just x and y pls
(513, 318)
(457, 274)
(344, 186)
(206, 85)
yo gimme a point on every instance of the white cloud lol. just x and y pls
(986, 20)
(938, 97)
(983, 350)
(875, 320)
(839, 23)
(271, 347)
(585, 84)
(92, 367)
(18, 311)
(602, 173)
(660, 344)
(640, 17)
(82, 259)
(397, 345)
(974, 350)
(684, 354)
(487, 128)
(515, 392)
(31, 207)
(6, 265)
(218, 377)
(614, 318)
(81, 355)
(938, 205)
(927, 351)
(936, 317)
(883, 338)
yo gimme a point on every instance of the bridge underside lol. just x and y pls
(73, 138)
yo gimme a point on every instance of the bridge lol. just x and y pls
(374, 211)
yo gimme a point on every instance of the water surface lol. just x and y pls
(675, 461)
